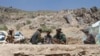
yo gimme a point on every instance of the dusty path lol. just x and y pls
(42, 50)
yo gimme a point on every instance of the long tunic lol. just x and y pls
(35, 37)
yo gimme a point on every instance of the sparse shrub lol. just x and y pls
(28, 22)
(18, 27)
(53, 27)
(45, 28)
(32, 16)
(3, 27)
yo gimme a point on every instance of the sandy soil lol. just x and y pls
(45, 50)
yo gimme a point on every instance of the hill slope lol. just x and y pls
(64, 18)
(28, 21)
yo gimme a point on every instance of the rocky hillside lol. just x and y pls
(19, 19)
(69, 20)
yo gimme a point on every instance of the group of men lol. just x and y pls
(58, 38)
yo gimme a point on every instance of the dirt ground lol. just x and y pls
(49, 50)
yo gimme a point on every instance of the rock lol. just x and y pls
(94, 9)
(20, 54)
(82, 53)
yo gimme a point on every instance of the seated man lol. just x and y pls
(89, 37)
(48, 38)
(10, 37)
(59, 38)
(36, 38)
